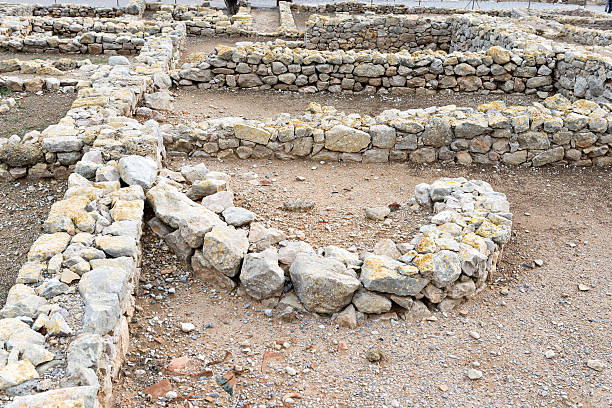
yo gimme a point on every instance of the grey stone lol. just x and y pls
(138, 170)
(370, 302)
(322, 284)
(224, 247)
(238, 216)
(261, 275)
(384, 274)
(290, 249)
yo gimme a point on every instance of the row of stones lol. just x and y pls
(91, 236)
(555, 131)
(49, 75)
(6, 104)
(205, 21)
(134, 7)
(448, 261)
(75, 37)
(586, 36)
(388, 33)
(392, 32)
(71, 26)
(41, 66)
(356, 7)
(577, 72)
(279, 66)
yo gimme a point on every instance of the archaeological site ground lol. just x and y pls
(335, 204)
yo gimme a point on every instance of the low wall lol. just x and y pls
(388, 33)
(577, 72)
(278, 66)
(134, 7)
(80, 35)
(81, 272)
(449, 261)
(553, 132)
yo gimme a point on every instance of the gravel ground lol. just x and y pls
(24, 206)
(530, 334)
(197, 105)
(34, 112)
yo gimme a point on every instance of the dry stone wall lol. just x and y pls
(554, 131)
(284, 66)
(78, 283)
(490, 55)
(384, 33)
(134, 7)
(576, 71)
(77, 34)
(447, 262)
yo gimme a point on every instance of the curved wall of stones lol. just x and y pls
(448, 261)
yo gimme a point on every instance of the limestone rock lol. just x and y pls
(370, 302)
(322, 284)
(262, 237)
(261, 275)
(342, 138)
(238, 216)
(290, 249)
(384, 274)
(16, 373)
(138, 170)
(377, 213)
(224, 247)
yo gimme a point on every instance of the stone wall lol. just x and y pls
(554, 131)
(447, 262)
(78, 282)
(284, 66)
(134, 7)
(577, 72)
(389, 33)
(78, 34)
(586, 36)
(206, 21)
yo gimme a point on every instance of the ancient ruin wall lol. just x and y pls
(283, 66)
(555, 131)
(389, 33)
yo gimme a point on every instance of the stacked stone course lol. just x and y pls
(284, 66)
(555, 131)
(388, 33)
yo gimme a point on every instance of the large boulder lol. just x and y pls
(346, 139)
(138, 170)
(323, 285)
(176, 210)
(384, 274)
(21, 155)
(224, 247)
(261, 275)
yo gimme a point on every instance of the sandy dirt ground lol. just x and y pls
(34, 112)
(194, 105)
(531, 333)
(24, 205)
